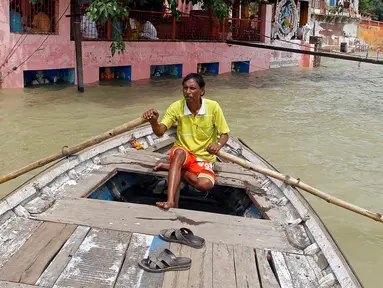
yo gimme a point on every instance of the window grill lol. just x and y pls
(142, 25)
(39, 18)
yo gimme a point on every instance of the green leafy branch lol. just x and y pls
(113, 11)
(219, 7)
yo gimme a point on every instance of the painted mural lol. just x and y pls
(286, 20)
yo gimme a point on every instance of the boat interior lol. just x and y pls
(148, 189)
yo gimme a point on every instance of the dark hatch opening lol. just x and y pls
(141, 189)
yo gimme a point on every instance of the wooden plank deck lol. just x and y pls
(146, 219)
(29, 261)
(131, 275)
(15, 231)
(97, 261)
(55, 268)
(93, 257)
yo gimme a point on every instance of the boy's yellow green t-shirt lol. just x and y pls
(195, 133)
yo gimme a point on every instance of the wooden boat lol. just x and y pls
(87, 220)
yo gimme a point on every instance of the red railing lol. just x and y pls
(162, 26)
(372, 23)
(40, 18)
(241, 29)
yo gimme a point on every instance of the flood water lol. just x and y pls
(322, 125)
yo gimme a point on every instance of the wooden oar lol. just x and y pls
(74, 149)
(297, 183)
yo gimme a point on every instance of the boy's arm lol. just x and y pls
(223, 139)
(223, 130)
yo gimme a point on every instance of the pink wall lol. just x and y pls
(58, 52)
(266, 12)
(280, 59)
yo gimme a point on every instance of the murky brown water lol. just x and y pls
(324, 126)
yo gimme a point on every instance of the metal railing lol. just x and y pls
(372, 23)
(241, 29)
(28, 18)
(162, 26)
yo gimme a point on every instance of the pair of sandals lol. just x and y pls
(166, 260)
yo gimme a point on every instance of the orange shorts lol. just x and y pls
(197, 166)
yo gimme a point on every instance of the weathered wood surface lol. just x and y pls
(297, 236)
(281, 269)
(201, 271)
(87, 184)
(225, 179)
(32, 274)
(315, 268)
(328, 281)
(27, 264)
(97, 261)
(4, 206)
(55, 268)
(5, 284)
(267, 276)
(131, 275)
(90, 182)
(15, 231)
(336, 259)
(301, 272)
(223, 266)
(148, 219)
(144, 162)
(161, 145)
(39, 204)
(245, 267)
(150, 159)
(327, 245)
(178, 279)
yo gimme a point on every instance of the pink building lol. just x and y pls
(24, 52)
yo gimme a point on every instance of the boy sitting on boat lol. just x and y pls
(199, 121)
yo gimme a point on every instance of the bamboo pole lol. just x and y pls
(292, 181)
(307, 52)
(74, 149)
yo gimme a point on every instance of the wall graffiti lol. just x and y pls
(286, 20)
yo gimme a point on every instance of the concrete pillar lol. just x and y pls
(225, 66)
(317, 41)
(189, 67)
(266, 12)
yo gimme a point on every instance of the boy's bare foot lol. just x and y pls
(165, 205)
(161, 166)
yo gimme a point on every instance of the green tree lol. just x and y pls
(372, 6)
